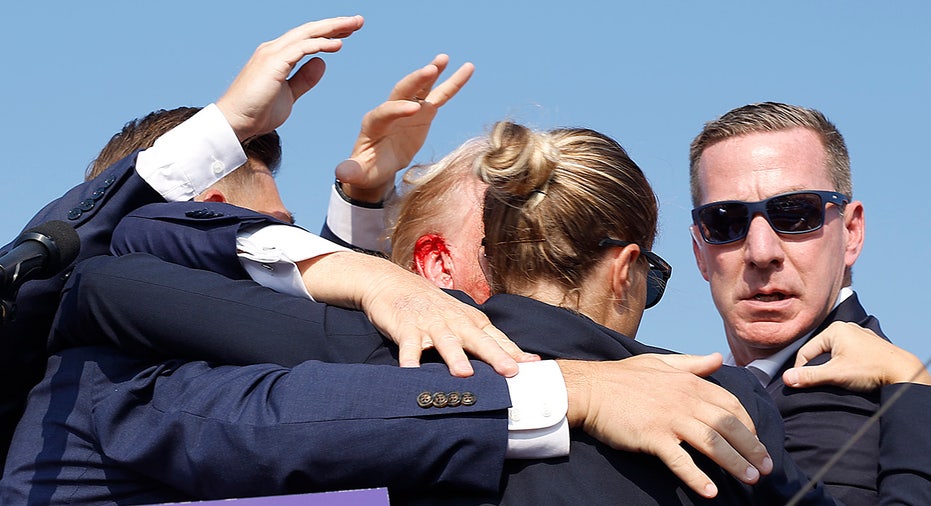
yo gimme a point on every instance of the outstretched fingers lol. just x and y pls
(417, 84)
(484, 342)
(451, 86)
(262, 95)
(471, 331)
(331, 28)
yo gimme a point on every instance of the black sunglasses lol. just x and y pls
(658, 276)
(790, 213)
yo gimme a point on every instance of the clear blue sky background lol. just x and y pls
(647, 73)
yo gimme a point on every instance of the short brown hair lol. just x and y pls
(773, 117)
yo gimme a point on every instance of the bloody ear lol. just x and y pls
(432, 260)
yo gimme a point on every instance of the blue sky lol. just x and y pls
(647, 73)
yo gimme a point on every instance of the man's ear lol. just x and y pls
(211, 195)
(855, 223)
(697, 244)
(433, 261)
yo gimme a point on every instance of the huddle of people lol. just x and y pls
(203, 346)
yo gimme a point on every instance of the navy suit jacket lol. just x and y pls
(159, 430)
(96, 305)
(819, 421)
(93, 208)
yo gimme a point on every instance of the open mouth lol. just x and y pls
(769, 297)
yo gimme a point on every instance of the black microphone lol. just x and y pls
(38, 253)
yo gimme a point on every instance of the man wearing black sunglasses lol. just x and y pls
(776, 233)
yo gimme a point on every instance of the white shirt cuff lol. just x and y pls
(537, 423)
(270, 253)
(360, 226)
(192, 156)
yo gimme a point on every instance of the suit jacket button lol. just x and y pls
(468, 398)
(98, 193)
(440, 400)
(455, 399)
(86, 205)
(203, 214)
(109, 182)
(74, 213)
(425, 399)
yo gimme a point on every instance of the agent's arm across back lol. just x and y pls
(319, 412)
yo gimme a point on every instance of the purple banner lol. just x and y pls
(367, 497)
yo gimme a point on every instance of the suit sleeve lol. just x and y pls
(197, 314)
(200, 235)
(904, 463)
(228, 431)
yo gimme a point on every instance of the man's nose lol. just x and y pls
(763, 245)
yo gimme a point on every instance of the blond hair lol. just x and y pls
(426, 204)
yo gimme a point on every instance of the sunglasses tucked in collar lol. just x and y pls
(789, 213)
(660, 271)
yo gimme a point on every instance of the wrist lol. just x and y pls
(578, 390)
(371, 198)
(236, 121)
(914, 372)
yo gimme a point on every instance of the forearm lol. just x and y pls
(356, 280)
(227, 321)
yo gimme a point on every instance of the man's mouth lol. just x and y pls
(769, 297)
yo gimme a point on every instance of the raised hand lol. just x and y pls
(394, 132)
(261, 96)
(652, 403)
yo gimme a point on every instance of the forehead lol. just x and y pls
(759, 165)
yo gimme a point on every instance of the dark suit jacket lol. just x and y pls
(96, 305)
(820, 421)
(145, 418)
(93, 208)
